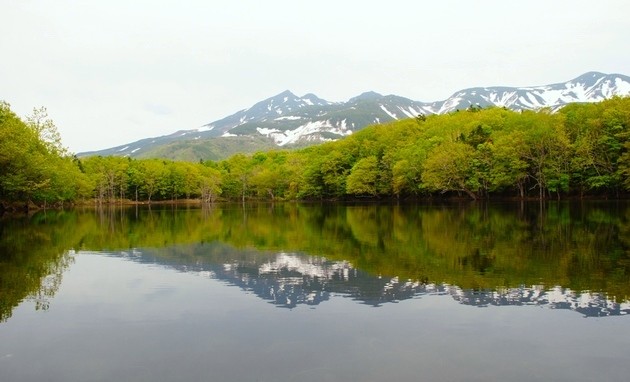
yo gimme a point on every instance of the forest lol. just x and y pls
(582, 150)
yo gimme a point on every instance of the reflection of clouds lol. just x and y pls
(134, 283)
(159, 292)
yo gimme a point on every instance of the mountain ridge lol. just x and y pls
(288, 120)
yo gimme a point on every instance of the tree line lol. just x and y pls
(581, 150)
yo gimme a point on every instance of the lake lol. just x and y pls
(318, 292)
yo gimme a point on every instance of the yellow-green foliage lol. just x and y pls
(34, 167)
(478, 153)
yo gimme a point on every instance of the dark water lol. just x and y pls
(471, 292)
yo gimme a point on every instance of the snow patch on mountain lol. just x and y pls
(411, 112)
(282, 138)
(451, 104)
(388, 112)
(208, 127)
(288, 118)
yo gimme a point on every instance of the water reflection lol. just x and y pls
(32, 260)
(564, 256)
(292, 279)
(587, 303)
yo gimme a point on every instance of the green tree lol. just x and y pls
(209, 184)
(46, 130)
(448, 168)
(154, 171)
(236, 176)
(335, 167)
(26, 165)
(363, 177)
(547, 151)
(509, 167)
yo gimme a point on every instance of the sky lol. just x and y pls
(113, 72)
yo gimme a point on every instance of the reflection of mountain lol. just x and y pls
(589, 304)
(290, 279)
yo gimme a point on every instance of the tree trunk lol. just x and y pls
(470, 193)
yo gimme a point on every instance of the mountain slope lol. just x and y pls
(289, 120)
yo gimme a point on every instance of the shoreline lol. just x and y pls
(19, 208)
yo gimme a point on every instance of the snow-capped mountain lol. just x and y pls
(288, 120)
(589, 87)
(299, 123)
(282, 107)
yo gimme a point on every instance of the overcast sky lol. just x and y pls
(112, 72)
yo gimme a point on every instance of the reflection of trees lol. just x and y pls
(474, 246)
(49, 284)
(33, 257)
(484, 247)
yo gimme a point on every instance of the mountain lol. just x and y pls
(289, 120)
(589, 87)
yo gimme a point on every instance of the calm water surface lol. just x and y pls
(318, 293)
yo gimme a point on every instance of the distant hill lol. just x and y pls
(287, 120)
